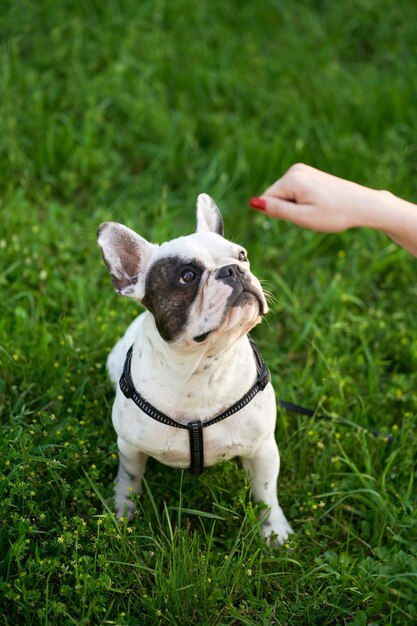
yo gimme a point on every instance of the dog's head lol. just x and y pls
(199, 288)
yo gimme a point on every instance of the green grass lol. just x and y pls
(126, 111)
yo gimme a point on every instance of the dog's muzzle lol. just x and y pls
(243, 290)
(237, 278)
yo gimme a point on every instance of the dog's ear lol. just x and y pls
(126, 255)
(209, 218)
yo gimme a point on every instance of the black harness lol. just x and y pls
(195, 428)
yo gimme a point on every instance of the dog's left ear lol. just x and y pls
(209, 218)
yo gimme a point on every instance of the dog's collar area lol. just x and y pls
(195, 428)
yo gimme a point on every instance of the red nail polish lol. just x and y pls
(258, 203)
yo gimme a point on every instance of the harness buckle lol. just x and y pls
(195, 430)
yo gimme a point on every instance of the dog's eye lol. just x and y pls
(187, 276)
(243, 256)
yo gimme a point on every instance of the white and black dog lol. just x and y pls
(193, 389)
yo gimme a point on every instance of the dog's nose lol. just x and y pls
(230, 271)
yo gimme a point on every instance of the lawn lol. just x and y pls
(126, 111)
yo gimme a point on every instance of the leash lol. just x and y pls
(302, 410)
(195, 428)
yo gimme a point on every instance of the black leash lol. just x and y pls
(302, 410)
(195, 428)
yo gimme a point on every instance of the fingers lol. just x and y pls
(282, 209)
(309, 198)
(319, 201)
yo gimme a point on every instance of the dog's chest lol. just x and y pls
(238, 435)
(218, 444)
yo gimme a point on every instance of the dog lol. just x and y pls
(191, 387)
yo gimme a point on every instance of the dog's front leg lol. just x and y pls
(262, 470)
(132, 464)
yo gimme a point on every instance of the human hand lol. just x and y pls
(316, 200)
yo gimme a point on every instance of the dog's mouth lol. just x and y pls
(248, 294)
(245, 296)
(202, 337)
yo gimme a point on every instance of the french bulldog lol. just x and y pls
(191, 360)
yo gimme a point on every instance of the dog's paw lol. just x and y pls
(276, 532)
(124, 508)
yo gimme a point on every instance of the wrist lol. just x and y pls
(394, 216)
(375, 209)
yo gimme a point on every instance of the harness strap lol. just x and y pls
(195, 427)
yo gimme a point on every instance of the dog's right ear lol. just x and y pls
(126, 255)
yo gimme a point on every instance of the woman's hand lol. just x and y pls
(319, 201)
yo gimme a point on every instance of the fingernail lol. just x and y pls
(258, 203)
